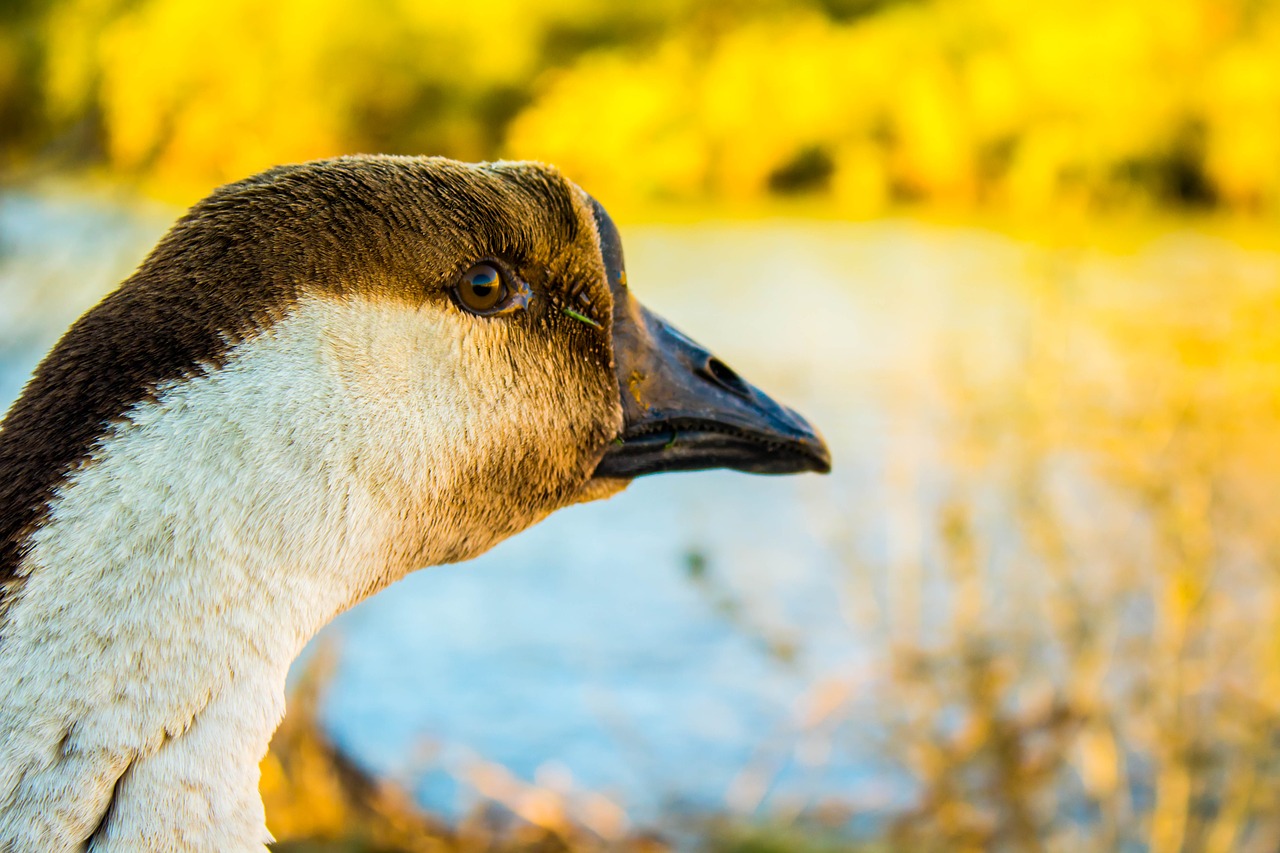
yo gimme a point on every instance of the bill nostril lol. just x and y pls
(719, 373)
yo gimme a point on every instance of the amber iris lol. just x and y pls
(481, 289)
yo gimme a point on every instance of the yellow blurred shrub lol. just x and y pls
(867, 103)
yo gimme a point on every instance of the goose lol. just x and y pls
(320, 379)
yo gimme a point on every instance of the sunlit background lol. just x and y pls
(1018, 261)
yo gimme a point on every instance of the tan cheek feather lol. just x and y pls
(510, 422)
(600, 489)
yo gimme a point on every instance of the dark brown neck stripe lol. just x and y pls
(198, 292)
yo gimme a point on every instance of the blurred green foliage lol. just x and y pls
(863, 104)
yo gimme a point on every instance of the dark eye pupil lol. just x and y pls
(481, 288)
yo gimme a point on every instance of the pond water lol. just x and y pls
(665, 647)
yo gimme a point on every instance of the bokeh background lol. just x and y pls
(1019, 262)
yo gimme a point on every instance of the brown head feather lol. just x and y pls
(397, 227)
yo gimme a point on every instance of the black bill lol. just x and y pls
(684, 409)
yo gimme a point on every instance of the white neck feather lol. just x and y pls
(181, 570)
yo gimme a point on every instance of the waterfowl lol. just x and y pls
(322, 378)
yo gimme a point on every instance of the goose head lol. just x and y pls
(322, 378)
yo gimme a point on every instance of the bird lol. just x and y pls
(322, 378)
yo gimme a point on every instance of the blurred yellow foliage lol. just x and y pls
(951, 101)
(864, 103)
(192, 95)
(1101, 671)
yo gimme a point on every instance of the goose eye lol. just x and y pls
(481, 289)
